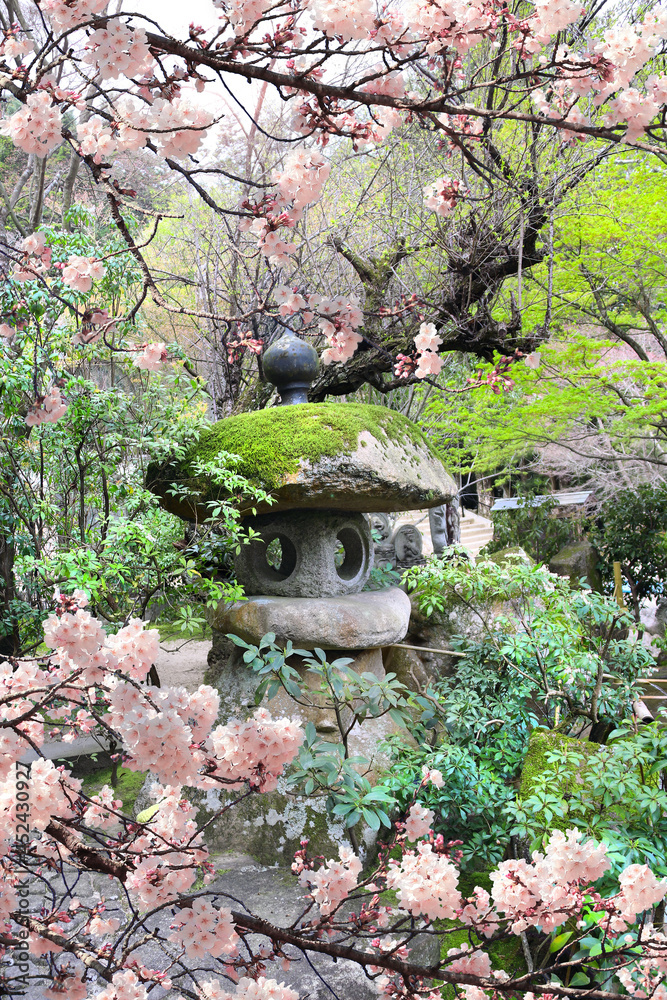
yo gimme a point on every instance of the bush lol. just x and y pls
(631, 529)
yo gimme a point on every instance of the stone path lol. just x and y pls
(182, 662)
(271, 893)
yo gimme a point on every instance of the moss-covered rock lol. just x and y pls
(577, 561)
(543, 742)
(511, 555)
(349, 456)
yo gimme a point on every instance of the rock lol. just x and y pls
(340, 456)
(512, 554)
(654, 618)
(578, 560)
(306, 553)
(355, 621)
(271, 826)
(408, 666)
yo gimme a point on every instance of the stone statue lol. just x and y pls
(408, 545)
(445, 526)
(381, 526)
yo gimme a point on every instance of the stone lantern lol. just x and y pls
(326, 466)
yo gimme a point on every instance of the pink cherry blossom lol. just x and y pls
(333, 881)
(68, 13)
(256, 750)
(152, 358)
(202, 930)
(119, 50)
(427, 338)
(249, 989)
(428, 364)
(289, 300)
(640, 889)
(124, 986)
(433, 776)
(36, 127)
(419, 821)
(46, 409)
(80, 272)
(16, 48)
(426, 883)
(346, 19)
(442, 196)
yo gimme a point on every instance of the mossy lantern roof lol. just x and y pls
(339, 456)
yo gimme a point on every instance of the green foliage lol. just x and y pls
(74, 511)
(569, 644)
(532, 526)
(600, 386)
(557, 656)
(632, 529)
(614, 793)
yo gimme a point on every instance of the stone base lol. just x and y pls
(355, 621)
(271, 826)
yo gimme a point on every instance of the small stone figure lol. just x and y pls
(381, 526)
(408, 545)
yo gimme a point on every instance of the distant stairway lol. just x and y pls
(476, 531)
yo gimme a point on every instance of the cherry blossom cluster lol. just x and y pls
(340, 319)
(36, 127)
(256, 751)
(419, 821)
(152, 357)
(245, 341)
(249, 989)
(203, 930)
(427, 343)
(79, 272)
(119, 50)
(426, 883)
(14, 47)
(47, 409)
(545, 891)
(36, 258)
(348, 19)
(95, 324)
(176, 128)
(443, 195)
(298, 185)
(65, 14)
(333, 881)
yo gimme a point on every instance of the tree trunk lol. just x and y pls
(10, 639)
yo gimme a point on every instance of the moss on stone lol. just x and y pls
(272, 442)
(543, 742)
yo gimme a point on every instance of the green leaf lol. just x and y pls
(147, 814)
(560, 941)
